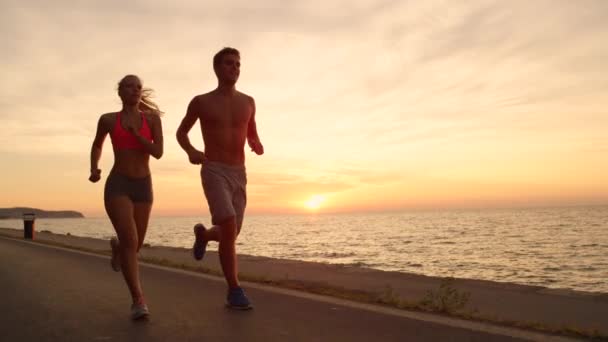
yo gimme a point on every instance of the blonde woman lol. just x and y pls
(136, 133)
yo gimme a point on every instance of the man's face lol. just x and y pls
(229, 68)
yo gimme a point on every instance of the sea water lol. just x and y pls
(552, 247)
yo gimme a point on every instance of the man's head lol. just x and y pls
(227, 65)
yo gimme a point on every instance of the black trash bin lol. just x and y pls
(28, 225)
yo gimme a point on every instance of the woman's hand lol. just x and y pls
(95, 175)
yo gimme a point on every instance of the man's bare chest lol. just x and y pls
(226, 115)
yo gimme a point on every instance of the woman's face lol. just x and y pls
(129, 90)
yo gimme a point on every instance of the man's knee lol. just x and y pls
(228, 228)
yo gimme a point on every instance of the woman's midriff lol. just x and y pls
(131, 163)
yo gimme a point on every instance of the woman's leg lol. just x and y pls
(120, 209)
(142, 217)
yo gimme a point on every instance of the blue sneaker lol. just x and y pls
(200, 245)
(236, 299)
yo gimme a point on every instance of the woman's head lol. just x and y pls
(132, 92)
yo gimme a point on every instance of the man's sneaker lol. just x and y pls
(236, 299)
(115, 260)
(139, 311)
(200, 245)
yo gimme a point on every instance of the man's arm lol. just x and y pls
(195, 156)
(252, 133)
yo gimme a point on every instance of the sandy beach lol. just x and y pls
(539, 308)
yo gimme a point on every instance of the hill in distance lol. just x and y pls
(17, 213)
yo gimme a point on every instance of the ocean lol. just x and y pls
(563, 248)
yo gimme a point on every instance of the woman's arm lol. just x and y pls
(155, 148)
(100, 136)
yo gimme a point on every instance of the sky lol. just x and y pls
(362, 105)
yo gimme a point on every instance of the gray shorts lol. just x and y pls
(225, 189)
(137, 189)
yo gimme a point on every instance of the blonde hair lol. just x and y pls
(145, 104)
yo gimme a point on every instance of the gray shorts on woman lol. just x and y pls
(139, 190)
(225, 189)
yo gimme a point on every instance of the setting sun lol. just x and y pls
(314, 202)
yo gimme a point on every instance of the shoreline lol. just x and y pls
(563, 311)
(527, 248)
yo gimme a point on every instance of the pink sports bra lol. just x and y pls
(123, 139)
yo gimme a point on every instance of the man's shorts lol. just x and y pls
(225, 189)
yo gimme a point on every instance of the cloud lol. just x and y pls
(378, 86)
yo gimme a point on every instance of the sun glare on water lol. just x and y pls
(314, 202)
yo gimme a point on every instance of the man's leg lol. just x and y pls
(216, 192)
(227, 233)
(202, 236)
(236, 298)
(212, 234)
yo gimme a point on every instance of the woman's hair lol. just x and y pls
(145, 104)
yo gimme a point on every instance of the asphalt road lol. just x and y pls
(55, 294)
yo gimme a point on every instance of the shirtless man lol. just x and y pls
(227, 119)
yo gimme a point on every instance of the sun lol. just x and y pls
(314, 202)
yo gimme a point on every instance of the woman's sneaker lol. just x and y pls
(236, 299)
(139, 311)
(200, 245)
(115, 260)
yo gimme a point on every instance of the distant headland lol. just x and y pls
(17, 213)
